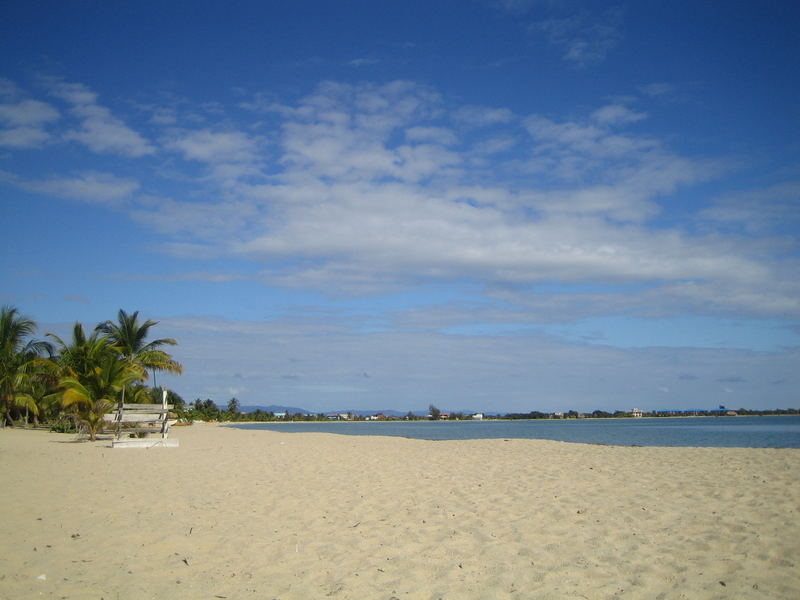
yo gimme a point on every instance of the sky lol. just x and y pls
(488, 205)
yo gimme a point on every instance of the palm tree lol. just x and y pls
(77, 363)
(94, 393)
(19, 357)
(39, 390)
(83, 353)
(129, 336)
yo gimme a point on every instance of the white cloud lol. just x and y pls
(229, 156)
(609, 173)
(100, 130)
(364, 201)
(515, 7)
(28, 112)
(73, 93)
(495, 145)
(614, 114)
(93, 188)
(8, 88)
(360, 235)
(23, 137)
(363, 62)
(164, 116)
(25, 121)
(434, 135)
(344, 132)
(763, 210)
(584, 39)
(657, 89)
(215, 147)
(585, 138)
(204, 276)
(215, 223)
(481, 116)
(359, 189)
(104, 133)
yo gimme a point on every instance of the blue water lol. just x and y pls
(731, 432)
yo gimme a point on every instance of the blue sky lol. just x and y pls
(487, 205)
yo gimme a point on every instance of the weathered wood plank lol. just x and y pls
(148, 418)
(133, 418)
(127, 430)
(145, 443)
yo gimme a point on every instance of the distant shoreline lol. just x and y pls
(744, 432)
(248, 422)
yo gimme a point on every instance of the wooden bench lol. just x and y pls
(131, 420)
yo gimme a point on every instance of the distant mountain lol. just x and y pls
(366, 413)
(394, 413)
(274, 408)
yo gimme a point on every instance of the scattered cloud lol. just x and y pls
(100, 130)
(481, 116)
(370, 189)
(373, 194)
(582, 38)
(28, 112)
(76, 94)
(23, 137)
(8, 88)
(758, 211)
(164, 116)
(363, 62)
(215, 147)
(434, 135)
(215, 223)
(93, 188)
(204, 276)
(616, 114)
(530, 234)
(24, 121)
(657, 89)
(514, 6)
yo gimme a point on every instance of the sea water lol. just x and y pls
(742, 432)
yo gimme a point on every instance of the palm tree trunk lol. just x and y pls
(5, 406)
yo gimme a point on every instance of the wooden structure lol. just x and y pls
(134, 424)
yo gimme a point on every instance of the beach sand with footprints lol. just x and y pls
(262, 514)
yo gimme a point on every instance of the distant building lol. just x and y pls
(637, 412)
(477, 416)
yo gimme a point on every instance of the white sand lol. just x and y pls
(257, 514)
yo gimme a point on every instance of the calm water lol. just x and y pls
(747, 432)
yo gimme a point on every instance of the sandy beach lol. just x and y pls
(259, 514)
